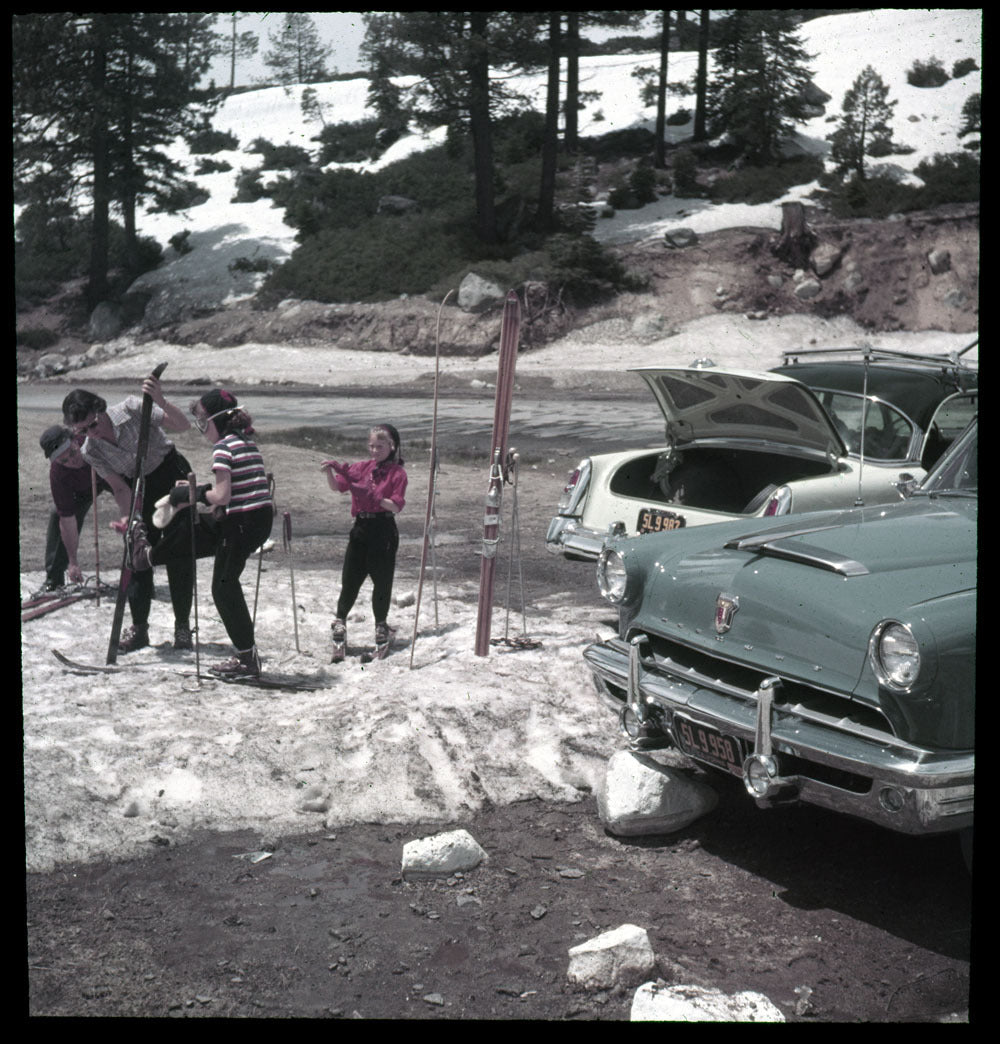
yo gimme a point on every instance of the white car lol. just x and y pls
(822, 433)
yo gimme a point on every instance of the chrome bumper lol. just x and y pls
(567, 537)
(912, 790)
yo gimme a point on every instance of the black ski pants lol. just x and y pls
(242, 533)
(371, 552)
(180, 569)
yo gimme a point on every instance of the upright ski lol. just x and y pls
(509, 332)
(429, 519)
(135, 507)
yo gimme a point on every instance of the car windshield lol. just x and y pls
(887, 431)
(958, 470)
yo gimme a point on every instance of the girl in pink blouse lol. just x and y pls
(377, 487)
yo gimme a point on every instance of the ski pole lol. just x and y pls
(287, 537)
(193, 512)
(260, 553)
(97, 536)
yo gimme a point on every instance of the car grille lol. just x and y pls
(821, 706)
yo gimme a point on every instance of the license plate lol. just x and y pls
(707, 744)
(656, 520)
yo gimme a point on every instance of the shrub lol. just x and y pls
(350, 142)
(763, 184)
(250, 264)
(179, 241)
(951, 178)
(930, 73)
(208, 166)
(248, 187)
(963, 67)
(209, 141)
(679, 118)
(36, 337)
(685, 171)
(584, 270)
(183, 196)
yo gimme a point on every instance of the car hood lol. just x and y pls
(810, 588)
(713, 403)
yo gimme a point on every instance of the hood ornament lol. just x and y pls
(726, 606)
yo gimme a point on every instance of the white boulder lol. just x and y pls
(655, 1002)
(442, 854)
(640, 796)
(622, 956)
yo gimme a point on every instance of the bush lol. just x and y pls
(248, 187)
(250, 264)
(684, 167)
(951, 178)
(36, 338)
(927, 74)
(207, 166)
(179, 241)
(178, 197)
(350, 142)
(963, 67)
(763, 184)
(210, 141)
(584, 270)
(679, 118)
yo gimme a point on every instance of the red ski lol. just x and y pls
(509, 331)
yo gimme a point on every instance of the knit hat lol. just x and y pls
(55, 441)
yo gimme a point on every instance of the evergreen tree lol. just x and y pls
(97, 97)
(297, 55)
(972, 118)
(239, 45)
(757, 92)
(450, 54)
(864, 124)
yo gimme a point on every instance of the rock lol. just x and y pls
(621, 957)
(442, 854)
(656, 1002)
(50, 364)
(825, 257)
(105, 322)
(807, 289)
(649, 327)
(476, 293)
(677, 238)
(640, 796)
(314, 800)
(940, 261)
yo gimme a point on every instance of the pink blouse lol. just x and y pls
(370, 484)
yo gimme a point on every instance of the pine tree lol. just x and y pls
(757, 93)
(240, 45)
(297, 55)
(864, 124)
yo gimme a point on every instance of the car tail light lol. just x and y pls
(780, 502)
(575, 488)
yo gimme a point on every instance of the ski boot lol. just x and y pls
(383, 643)
(245, 666)
(339, 637)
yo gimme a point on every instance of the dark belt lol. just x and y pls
(372, 514)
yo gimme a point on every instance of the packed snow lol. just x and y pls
(115, 762)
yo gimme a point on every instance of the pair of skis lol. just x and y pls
(49, 602)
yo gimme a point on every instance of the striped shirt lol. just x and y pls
(119, 459)
(236, 454)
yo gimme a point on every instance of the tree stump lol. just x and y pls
(797, 241)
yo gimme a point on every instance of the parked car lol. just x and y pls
(821, 431)
(826, 658)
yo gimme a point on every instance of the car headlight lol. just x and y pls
(612, 575)
(895, 655)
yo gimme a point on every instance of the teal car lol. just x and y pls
(825, 657)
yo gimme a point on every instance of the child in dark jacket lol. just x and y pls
(377, 487)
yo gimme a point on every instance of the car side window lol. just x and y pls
(887, 432)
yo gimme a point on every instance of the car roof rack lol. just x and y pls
(946, 360)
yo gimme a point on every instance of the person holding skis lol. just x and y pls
(111, 435)
(242, 489)
(71, 483)
(377, 487)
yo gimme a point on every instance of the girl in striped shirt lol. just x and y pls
(242, 489)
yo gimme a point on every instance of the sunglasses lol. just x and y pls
(202, 422)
